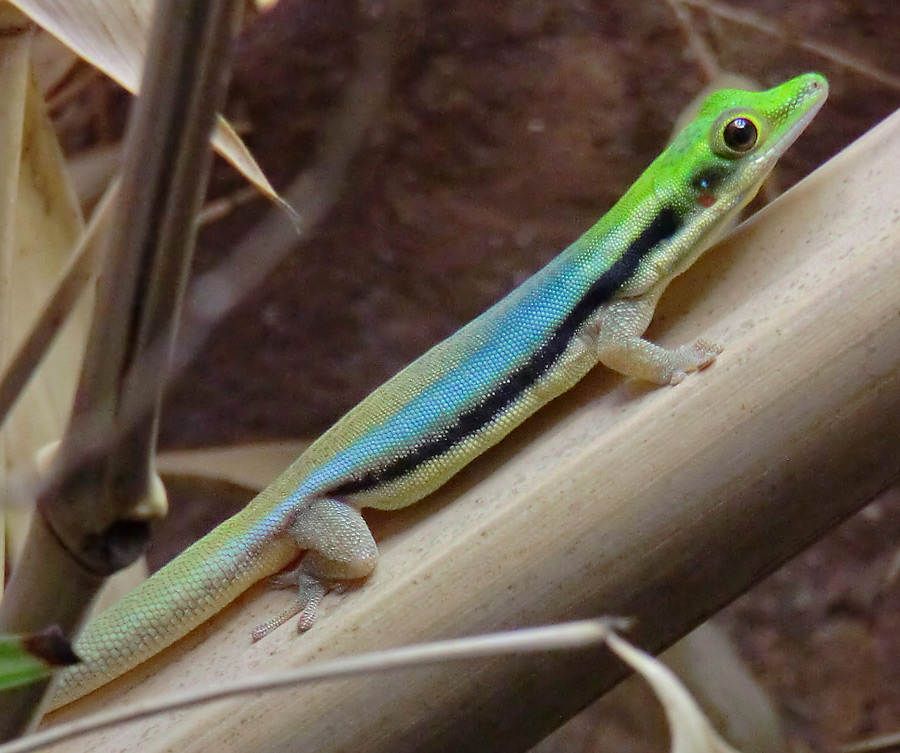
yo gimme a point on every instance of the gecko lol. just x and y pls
(589, 305)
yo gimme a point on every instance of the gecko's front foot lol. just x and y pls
(693, 357)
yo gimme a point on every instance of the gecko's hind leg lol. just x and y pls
(339, 548)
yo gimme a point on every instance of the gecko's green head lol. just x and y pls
(693, 191)
(736, 139)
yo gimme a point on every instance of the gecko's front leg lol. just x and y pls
(620, 346)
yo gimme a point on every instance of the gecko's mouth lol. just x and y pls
(817, 93)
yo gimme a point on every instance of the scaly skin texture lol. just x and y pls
(591, 304)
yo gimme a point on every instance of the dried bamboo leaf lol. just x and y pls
(112, 35)
(710, 667)
(48, 223)
(14, 55)
(51, 61)
(253, 466)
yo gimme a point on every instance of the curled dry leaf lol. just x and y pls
(690, 729)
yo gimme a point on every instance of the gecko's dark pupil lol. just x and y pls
(740, 135)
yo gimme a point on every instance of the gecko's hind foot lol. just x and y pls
(311, 591)
(283, 581)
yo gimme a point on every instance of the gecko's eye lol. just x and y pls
(740, 135)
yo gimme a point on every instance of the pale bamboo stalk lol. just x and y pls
(662, 504)
(91, 520)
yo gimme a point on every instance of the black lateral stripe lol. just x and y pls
(663, 226)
